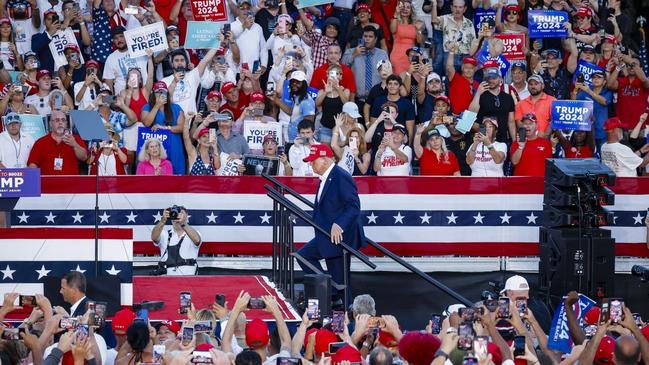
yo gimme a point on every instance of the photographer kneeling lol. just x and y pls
(178, 246)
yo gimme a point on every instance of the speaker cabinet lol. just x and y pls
(319, 286)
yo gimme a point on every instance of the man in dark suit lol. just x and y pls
(338, 209)
(73, 290)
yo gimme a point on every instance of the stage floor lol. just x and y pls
(203, 289)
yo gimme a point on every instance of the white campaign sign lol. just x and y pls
(59, 40)
(151, 37)
(254, 133)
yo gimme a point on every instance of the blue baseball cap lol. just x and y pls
(519, 64)
(555, 52)
(492, 72)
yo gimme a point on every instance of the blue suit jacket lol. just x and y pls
(339, 203)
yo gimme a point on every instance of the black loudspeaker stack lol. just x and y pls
(575, 254)
(318, 287)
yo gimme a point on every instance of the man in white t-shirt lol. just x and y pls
(618, 157)
(183, 84)
(393, 156)
(301, 148)
(486, 155)
(120, 62)
(14, 146)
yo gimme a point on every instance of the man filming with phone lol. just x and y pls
(529, 151)
(179, 245)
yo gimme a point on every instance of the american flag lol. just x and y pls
(413, 216)
(31, 257)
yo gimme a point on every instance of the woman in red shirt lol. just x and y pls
(580, 145)
(434, 158)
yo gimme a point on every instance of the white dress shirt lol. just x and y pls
(323, 180)
(15, 153)
(76, 304)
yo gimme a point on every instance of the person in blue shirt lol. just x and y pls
(602, 97)
(161, 114)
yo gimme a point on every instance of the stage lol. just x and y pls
(203, 289)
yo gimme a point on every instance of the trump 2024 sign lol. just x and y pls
(17, 183)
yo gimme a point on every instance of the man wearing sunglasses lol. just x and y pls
(632, 86)
(14, 146)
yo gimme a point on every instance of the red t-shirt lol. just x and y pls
(236, 110)
(46, 152)
(532, 161)
(579, 152)
(430, 165)
(631, 101)
(460, 91)
(319, 78)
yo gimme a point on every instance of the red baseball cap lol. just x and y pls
(71, 46)
(159, 86)
(530, 116)
(203, 131)
(43, 73)
(307, 334)
(346, 353)
(362, 7)
(227, 87)
(214, 94)
(604, 354)
(324, 336)
(173, 326)
(513, 7)
(5, 20)
(645, 332)
(610, 38)
(317, 151)
(494, 351)
(419, 347)
(592, 316)
(470, 60)
(490, 64)
(122, 319)
(256, 97)
(257, 333)
(269, 137)
(443, 98)
(92, 63)
(612, 123)
(204, 347)
(220, 51)
(48, 12)
(584, 12)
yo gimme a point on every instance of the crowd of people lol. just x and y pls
(388, 84)
(506, 332)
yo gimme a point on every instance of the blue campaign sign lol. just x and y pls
(587, 69)
(17, 183)
(482, 15)
(307, 3)
(559, 335)
(546, 23)
(144, 133)
(572, 114)
(202, 35)
(482, 56)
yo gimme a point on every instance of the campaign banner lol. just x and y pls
(202, 35)
(257, 165)
(483, 56)
(559, 336)
(59, 40)
(17, 183)
(546, 23)
(144, 133)
(513, 46)
(482, 15)
(32, 125)
(572, 114)
(586, 69)
(255, 131)
(152, 36)
(306, 3)
(213, 10)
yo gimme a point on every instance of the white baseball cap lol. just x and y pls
(453, 308)
(516, 282)
(433, 76)
(298, 75)
(352, 109)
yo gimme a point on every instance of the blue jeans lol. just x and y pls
(345, 17)
(438, 58)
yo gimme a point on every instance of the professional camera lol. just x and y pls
(641, 271)
(174, 211)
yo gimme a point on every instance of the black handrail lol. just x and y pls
(273, 194)
(452, 293)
